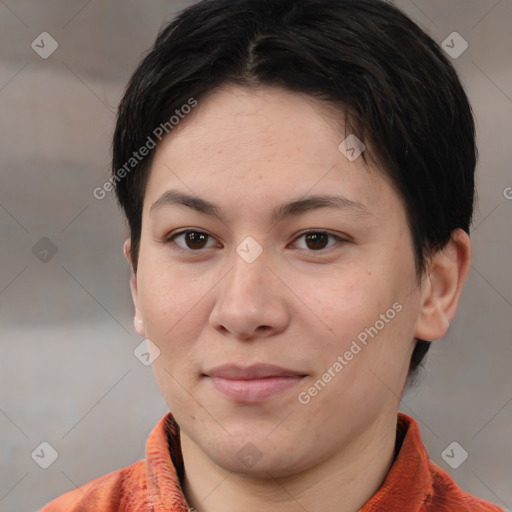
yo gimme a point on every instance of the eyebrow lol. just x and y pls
(291, 208)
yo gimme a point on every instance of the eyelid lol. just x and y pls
(182, 231)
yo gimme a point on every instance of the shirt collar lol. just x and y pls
(164, 467)
(407, 486)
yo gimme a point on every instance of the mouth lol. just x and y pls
(254, 383)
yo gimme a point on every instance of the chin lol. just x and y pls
(255, 463)
(257, 455)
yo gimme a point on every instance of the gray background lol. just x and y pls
(68, 375)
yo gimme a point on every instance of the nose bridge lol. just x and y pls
(248, 298)
(248, 269)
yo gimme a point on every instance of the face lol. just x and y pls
(266, 249)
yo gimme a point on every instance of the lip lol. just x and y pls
(254, 371)
(253, 383)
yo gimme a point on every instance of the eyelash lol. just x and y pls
(171, 237)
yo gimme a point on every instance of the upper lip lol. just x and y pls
(255, 371)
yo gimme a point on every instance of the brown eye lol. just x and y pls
(190, 240)
(195, 240)
(317, 240)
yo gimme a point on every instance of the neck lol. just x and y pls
(344, 482)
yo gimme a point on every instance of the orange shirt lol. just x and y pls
(413, 484)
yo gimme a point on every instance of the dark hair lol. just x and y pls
(397, 91)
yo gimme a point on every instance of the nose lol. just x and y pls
(251, 301)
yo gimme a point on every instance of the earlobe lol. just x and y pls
(138, 321)
(442, 287)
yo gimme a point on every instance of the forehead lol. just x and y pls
(258, 144)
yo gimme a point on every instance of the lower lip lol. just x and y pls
(254, 390)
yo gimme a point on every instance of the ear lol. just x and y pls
(138, 321)
(441, 287)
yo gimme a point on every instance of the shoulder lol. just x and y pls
(121, 490)
(415, 476)
(447, 496)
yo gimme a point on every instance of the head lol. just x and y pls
(243, 109)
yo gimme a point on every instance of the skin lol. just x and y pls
(249, 151)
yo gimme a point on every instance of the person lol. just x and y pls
(298, 180)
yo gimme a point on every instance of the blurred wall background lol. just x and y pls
(68, 375)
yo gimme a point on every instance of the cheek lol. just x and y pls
(365, 316)
(173, 308)
(343, 303)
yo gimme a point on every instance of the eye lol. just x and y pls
(194, 240)
(190, 240)
(318, 240)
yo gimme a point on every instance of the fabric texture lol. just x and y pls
(413, 484)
